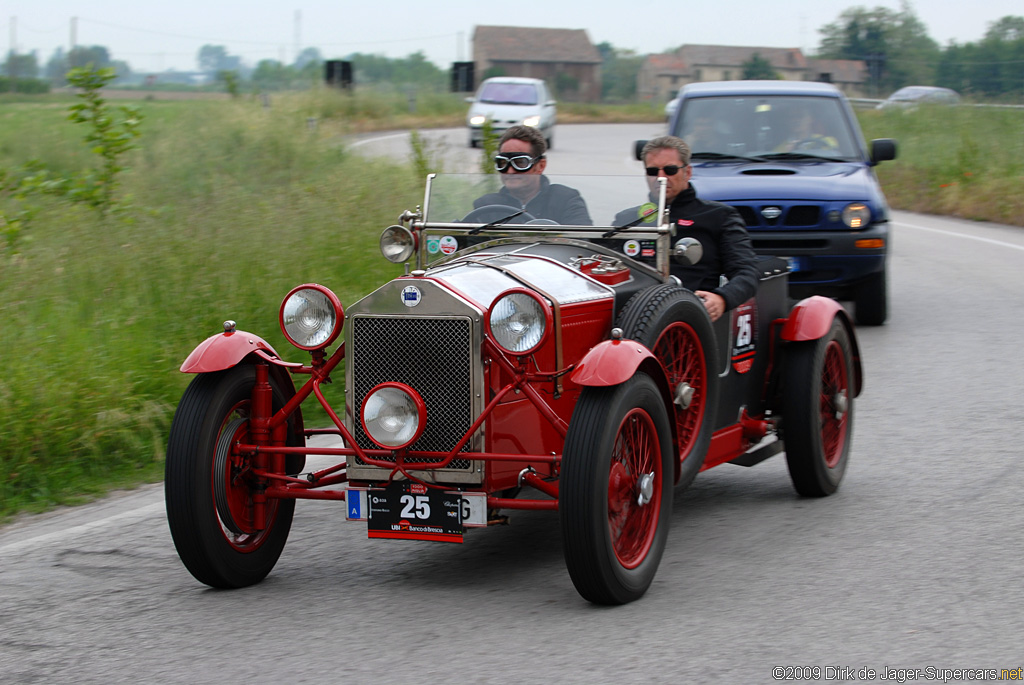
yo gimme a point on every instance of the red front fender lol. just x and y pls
(224, 350)
(610, 363)
(812, 318)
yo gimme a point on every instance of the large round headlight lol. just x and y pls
(393, 415)
(856, 215)
(311, 316)
(519, 321)
(397, 244)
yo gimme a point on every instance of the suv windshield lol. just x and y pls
(766, 126)
(509, 94)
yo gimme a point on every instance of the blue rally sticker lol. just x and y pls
(411, 296)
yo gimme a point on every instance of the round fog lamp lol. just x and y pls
(393, 415)
(397, 244)
(519, 321)
(311, 317)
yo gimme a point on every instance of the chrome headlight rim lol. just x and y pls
(542, 313)
(384, 396)
(329, 302)
(397, 244)
(856, 215)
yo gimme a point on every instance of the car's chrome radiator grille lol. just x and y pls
(433, 357)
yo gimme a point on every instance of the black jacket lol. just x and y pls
(561, 204)
(726, 244)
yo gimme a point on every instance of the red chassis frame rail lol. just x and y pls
(269, 436)
(268, 433)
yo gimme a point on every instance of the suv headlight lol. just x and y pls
(519, 321)
(856, 215)
(393, 415)
(311, 317)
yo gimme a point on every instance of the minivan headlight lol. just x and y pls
(477, 120)
(532, 121)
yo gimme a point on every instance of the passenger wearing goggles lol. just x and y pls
(521, 163)
(719, 228)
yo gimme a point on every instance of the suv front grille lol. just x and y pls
(430, 355)
(806, 216)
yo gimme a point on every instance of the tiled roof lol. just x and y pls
(522, 44)
(842, 70)
(735, 56)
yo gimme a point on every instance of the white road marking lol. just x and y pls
(46, 538)
(377, 139)
(1000, 243)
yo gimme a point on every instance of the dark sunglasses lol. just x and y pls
(670, 170)
(520, 161)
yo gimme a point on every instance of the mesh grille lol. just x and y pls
(433, 357)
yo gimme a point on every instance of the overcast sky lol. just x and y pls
(167, 35)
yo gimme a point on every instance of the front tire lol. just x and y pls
(672, 322)
(615, 494)
(207, 492)
(817, 411)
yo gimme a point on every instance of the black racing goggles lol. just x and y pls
(520, 161)
(670, 170)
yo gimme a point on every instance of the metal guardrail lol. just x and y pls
(871, 103)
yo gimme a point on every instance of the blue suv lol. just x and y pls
(791, 158)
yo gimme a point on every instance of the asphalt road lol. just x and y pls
(911, 565)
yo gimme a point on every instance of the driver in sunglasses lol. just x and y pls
(719, 228)
(521, 163)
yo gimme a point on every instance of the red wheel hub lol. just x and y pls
(834, 403)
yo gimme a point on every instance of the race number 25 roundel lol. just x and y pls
(744, 336)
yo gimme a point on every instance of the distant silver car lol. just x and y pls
(913, 96)
(507, 101)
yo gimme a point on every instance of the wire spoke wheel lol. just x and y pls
(672, 322)
(615, 494)
(632, 511)
(817, 411)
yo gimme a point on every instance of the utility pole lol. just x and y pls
(74, 39)
(12, 69)
(298, 39)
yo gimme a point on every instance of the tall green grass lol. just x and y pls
(960, 161)
(232, 205)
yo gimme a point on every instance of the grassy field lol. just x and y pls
(234, 202)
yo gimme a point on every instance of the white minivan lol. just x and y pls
(510, 100)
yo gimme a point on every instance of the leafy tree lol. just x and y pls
(82, 56)
(306, 57)
(21, 66)
(1007, 29)
(894, 44)
(56, 67)
(989, 67)
(272, 75)
(214, 58)
(618, 73)
(758, 67)
(413, 69)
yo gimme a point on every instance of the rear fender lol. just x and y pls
(812, 318)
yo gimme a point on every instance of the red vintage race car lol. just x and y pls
(517, 365)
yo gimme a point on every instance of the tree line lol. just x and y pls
(893, 44)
